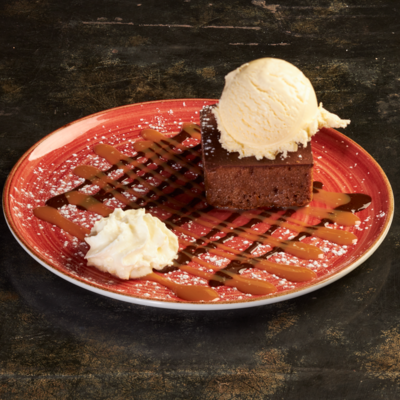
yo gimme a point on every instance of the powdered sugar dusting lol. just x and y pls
(53, 174)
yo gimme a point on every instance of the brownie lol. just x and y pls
(247, 183)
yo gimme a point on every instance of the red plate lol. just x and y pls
(46, 170)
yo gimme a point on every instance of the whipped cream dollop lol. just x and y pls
(129, 244)
(268, 106)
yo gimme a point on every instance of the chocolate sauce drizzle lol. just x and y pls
(168, 161)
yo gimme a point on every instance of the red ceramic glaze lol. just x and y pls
(46, 170)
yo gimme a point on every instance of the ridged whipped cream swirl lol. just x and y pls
(129, 244)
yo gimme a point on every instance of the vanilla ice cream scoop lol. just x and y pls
(268, 106)
(129, 244)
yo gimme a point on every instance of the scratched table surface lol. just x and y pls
(63, 60)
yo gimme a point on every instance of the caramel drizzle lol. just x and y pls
(173, 162)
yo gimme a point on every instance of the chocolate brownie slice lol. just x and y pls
(247, 183)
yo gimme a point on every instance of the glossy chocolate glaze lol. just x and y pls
(216, 155)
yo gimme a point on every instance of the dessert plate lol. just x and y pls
(47, 170)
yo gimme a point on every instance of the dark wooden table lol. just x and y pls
(62, 60)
